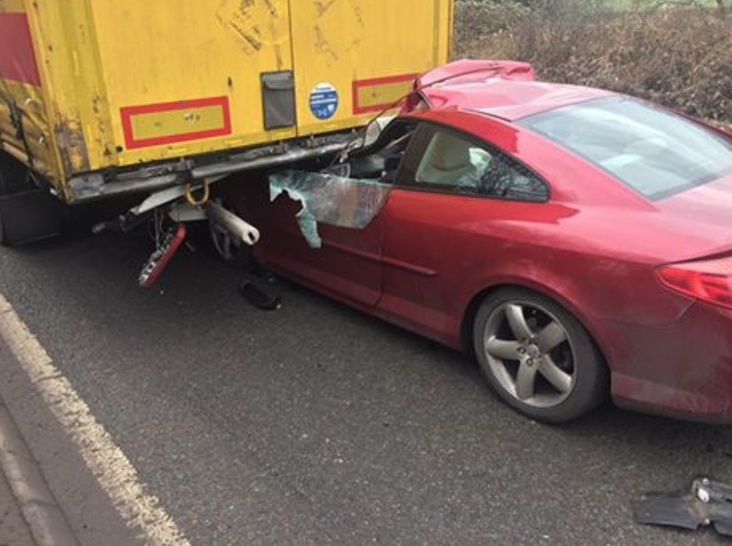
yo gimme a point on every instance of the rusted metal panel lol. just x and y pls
(72, 145)
(84, 88)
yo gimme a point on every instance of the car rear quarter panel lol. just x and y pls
(593, 247)
(577, 257)
(590, 217)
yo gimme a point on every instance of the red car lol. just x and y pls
(577, 240)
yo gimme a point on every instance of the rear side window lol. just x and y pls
(655, 152)
(452, 163)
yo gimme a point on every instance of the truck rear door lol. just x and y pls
(191, 77)
(353, 58)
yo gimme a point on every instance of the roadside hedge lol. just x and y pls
(676, 54)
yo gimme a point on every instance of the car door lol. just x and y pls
(443, 225)
(347, 265)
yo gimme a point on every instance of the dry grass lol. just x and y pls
(681, 57)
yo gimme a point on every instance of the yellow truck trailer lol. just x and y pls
(100, 98)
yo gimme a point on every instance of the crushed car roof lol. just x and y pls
(503, 89)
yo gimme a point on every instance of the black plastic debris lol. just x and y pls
(262, 290)
(708, 503)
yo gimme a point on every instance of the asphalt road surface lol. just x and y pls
(314, 424)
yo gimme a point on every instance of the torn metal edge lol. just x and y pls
(98, 185)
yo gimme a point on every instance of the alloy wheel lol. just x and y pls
(530, 353)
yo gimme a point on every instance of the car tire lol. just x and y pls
(221, 245)
(539, 359)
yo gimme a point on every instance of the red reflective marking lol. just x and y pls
(17, 54)
(131, 111)
(148, 279)
(360, 84)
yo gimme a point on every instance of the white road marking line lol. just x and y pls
(108, 463)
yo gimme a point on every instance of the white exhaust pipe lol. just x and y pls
(238, 228)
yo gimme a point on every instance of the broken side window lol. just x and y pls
(350, 194)
(330, 199)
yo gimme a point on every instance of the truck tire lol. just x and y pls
(27, 213)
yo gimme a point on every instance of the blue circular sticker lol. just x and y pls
(324, 101)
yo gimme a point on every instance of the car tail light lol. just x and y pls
(707, 280)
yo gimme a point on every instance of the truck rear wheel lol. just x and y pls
(27, 213)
